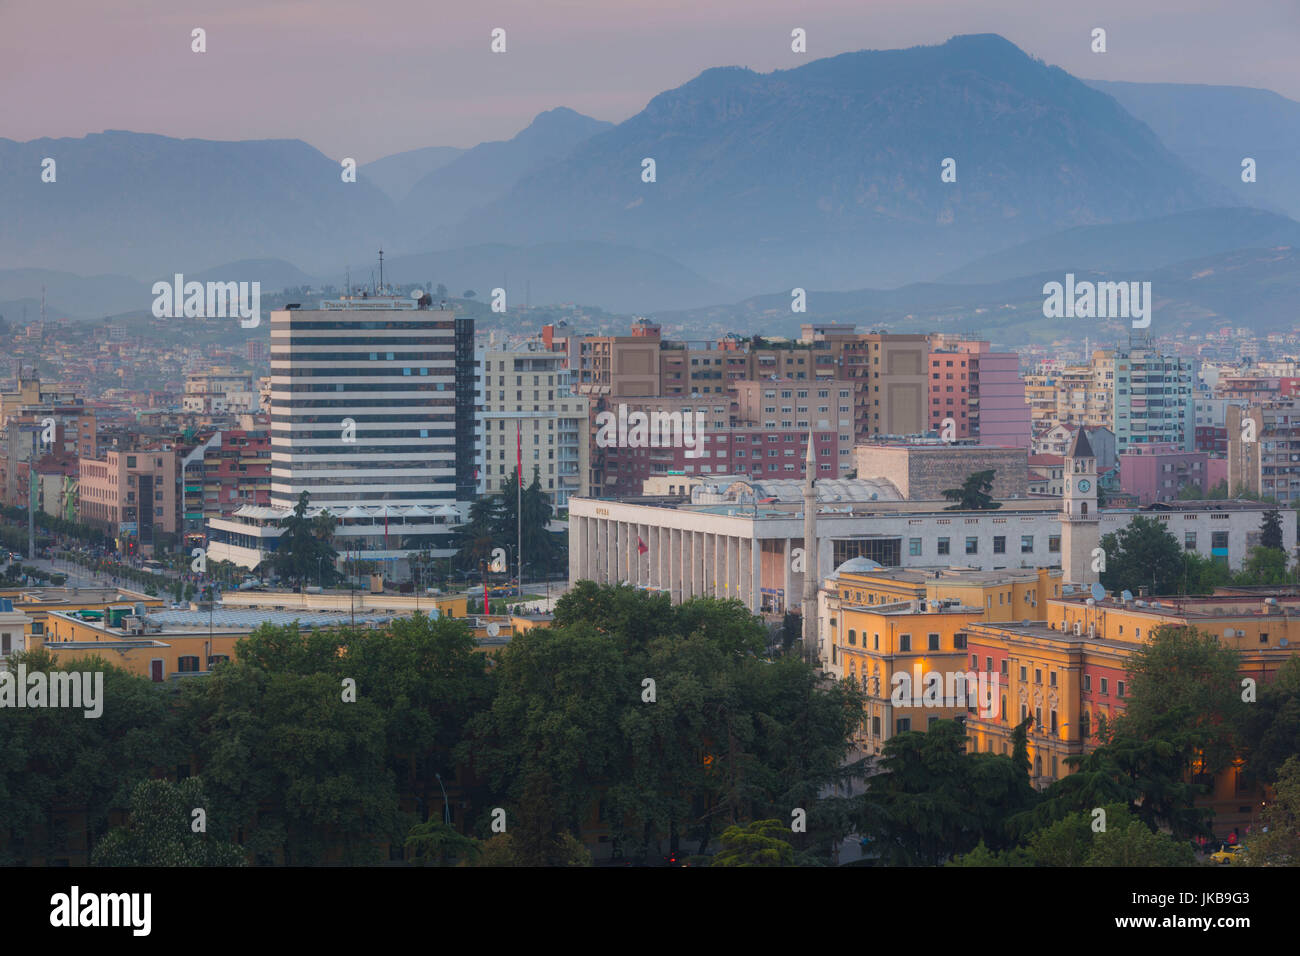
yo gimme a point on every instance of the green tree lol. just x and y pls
(1136, 844)
(1264, 566)
(974, 493)
(1203, 575)
(160, 830)
(53, 757)
(434, 843)
(1278, 841)
(1143, 553)
(761, 843)
(933, 800)
(982, 856)
(542, 550)
(304, 550)
(478, 536)
(1184, 688)
(1272, 724)
(729, 736)
(1271, 530)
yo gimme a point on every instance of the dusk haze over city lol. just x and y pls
(649, 436)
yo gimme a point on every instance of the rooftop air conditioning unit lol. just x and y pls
(1078, 628)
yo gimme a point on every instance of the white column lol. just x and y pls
(608, 544)
(699, 563)
(746, 569)
(710, 559)
(789, 572)
(724, 586)
(675, 564)
(664, 557)
(756, 555)
(733, 567)
(576, 550)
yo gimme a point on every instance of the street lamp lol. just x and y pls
(446, 807)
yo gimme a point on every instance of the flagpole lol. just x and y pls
(519, 504)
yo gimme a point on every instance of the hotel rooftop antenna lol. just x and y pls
(381, 290)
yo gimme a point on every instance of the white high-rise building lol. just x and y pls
(363, 404)
(372, 414)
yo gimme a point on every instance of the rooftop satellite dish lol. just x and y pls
(1126, 595)
(1284, 642)
(1098, 592)
(493, 629)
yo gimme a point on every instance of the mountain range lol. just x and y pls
(825, 177)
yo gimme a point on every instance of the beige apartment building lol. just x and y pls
(528, 409)
(1264, 449)
(131, 495)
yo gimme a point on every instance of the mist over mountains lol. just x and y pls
(826, 177)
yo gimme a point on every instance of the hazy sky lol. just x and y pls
(365, 79)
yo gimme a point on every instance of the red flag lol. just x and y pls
(641, 547)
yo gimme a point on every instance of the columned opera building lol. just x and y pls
(731, 537)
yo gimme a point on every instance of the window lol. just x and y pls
(1022, 673)
(187, 664)
(1054, 544)
(1105, 692)
(959, 641)
(1119, 688)
(903, 725)
(1052, 715)
(1087, 683)
(853, 636)
(943, 546)
(904, 643)
(972, 545)
(999, 544)
(914, 546)
(1038, 675)
(934, 641)
(1026, 544)
(1189, 540)
(875, 726)
(1051, 679)
(1219, 539)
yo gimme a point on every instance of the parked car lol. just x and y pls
(1226, 854)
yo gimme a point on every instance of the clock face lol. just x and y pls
(1084, 484)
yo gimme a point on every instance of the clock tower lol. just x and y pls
(1080, 522)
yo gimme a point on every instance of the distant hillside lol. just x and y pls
(1212, 128)
(489, 170)
(1257, 288)
(140, 205)
(396, 174)
(616, 278)
(828, 175)
(75, 296)
(1144, 245)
